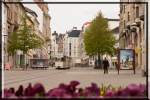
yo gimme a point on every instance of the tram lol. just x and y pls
(62, 63)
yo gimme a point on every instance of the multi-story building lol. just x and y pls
(32, 22)
(116, 35)
(35, 8)
(72, 44)
(14, 19)
(37, 17)
(60, 43)
(46, 31)
(132, 30)
(66, 45)
(4, 33)
(54, 46)
(46, 27)
(43, 18)
(57, 45)
(15, 13)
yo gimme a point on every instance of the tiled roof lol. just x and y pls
(74, 33)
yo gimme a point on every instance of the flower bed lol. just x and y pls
(71, 91)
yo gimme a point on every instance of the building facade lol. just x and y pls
(54, 46)
(60, 43)
(72, 46)
(57, 43)
(34, 24)
(44, 30)
(37, 17)
(4, 33)
(14, 19)
(116, 35)
(132, 30)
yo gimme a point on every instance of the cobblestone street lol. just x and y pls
(52, 77)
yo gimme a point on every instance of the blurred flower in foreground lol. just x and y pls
(19, 92)
(38, 90)
(72, 91)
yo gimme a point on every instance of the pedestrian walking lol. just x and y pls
(27, 65)
(53, 64)
(117, 67)
(95, 63)
(105, 65)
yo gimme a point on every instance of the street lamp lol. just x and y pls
(137, 24)
(128, 27)
(134, 25)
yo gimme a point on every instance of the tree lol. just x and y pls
(24, 39)
(12, 46)
(98, 38)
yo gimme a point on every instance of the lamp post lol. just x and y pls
(131, 28)
(137, 24)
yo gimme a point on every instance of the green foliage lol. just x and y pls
(24, 39)
(98, 39)
(12, 46)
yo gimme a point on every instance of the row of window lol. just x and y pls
(123, 9)
(129, 14)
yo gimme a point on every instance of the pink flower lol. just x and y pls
(135, 90)
(29, 91)
(142, 88)
(93, 90)
(109, 93)
(57, 92)
(7, 93)
(19, 92)
(38, 89)
(74, 83)
(71, 91)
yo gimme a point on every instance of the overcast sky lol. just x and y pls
(66, 16)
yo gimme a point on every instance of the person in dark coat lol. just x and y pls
(117, 66)
(105, 65)
(95, 63)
